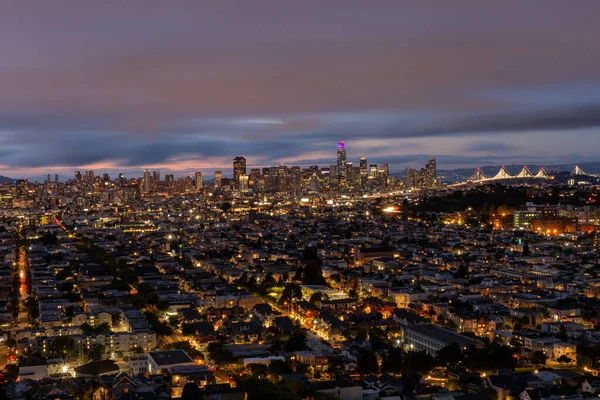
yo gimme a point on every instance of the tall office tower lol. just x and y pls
(239, 168)
(78, 176)
(254, 177)
(341, 159)
(266, 178)
(373, 171)
(411, 178)
(333, 171)
(198, 181)
(156, 176)
(122, 179)
(89, 176)
(243, 182)
(147, 181)
(385, 168)
(169, 179)
(56, 178)
(188, 184)
(430, 173)
(348, 174)
(217, 179)
(295, 179)
(48, 179)
(364, 172)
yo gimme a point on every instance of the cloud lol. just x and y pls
(156, 83)
(484, 147)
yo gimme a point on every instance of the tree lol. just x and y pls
(367, 363)
(219, 354)
(97, 352)
(259, 371)
(462, 272)
(450, 355)
(63, 346)
(225, 207)
(11, 343)
(191, 391)
(291, 292)
(296, 342)
(392, 362)
(538, 358)
(312, 274)
(564, 359)
(310, 253)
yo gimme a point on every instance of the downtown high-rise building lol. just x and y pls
(373, 171)
(341, 159)
(198, 181)
(147, 181)
(239, 168)
(430, 178)
(386, 169)
(217, 179)
(169, 180)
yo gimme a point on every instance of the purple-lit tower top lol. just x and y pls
(341, 159)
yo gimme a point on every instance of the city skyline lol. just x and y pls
(473, 85)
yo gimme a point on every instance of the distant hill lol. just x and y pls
(462, 174)
(5, 179)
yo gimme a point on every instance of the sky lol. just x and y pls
(186, 85)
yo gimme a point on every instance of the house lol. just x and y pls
(431, 338)
(167, 359)
(342, 390)
(96, 369)
(591, 386)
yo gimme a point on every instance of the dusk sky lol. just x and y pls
(183, 86)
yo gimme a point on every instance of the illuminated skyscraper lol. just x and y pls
(385, 168)
(169, 180)
(198, 177)
(341, 159)
(411, 178)
(218, 177)
(239, 168)
(78, 176)
(431, 173)
(147, 181)
(364, 172)
(243, 182)
(373, 171)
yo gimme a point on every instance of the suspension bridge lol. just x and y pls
(503, 174)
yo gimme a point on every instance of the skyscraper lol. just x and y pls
(364, 172)
(239, 168)
(147, 181)
(198, 181)
(385, 168)
(217, 180)
(431, 173)
(411, 178)
(373, 171)
(341, 159)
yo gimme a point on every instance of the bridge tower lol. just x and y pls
(478, 176)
